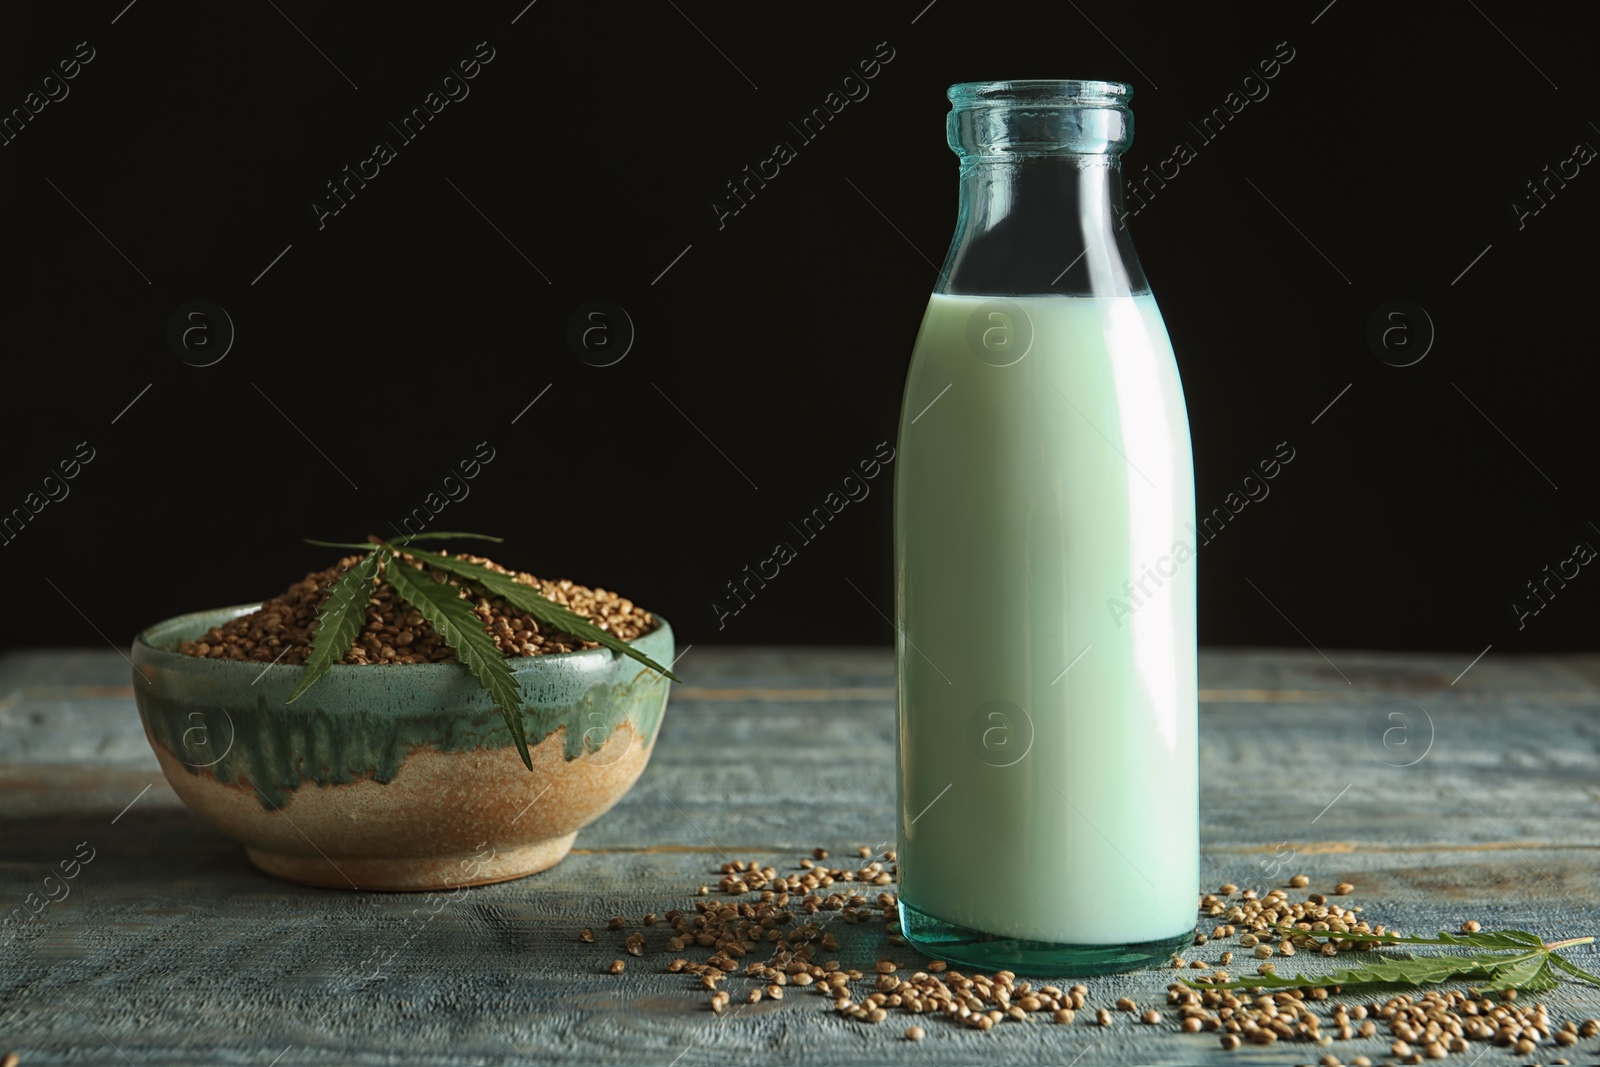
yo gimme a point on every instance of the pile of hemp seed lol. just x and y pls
(280, 630)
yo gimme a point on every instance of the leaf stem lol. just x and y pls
(1568, 943)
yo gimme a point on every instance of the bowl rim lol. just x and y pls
(142, 644)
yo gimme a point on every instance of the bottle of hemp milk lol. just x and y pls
(1045, 583)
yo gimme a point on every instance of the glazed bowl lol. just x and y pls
(396, 776)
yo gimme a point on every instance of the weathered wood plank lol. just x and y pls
(172, 949)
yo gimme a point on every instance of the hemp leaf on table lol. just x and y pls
(344, 613)
(1506, 959)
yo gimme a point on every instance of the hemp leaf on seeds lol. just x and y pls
(530, 600)
(453, 618)
(450, 615)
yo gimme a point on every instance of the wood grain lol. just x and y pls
(171, 949)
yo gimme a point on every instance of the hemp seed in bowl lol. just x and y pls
(280, 630)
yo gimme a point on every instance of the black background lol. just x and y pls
(407, 329)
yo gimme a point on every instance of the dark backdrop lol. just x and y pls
(374, 349)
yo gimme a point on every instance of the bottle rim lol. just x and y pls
(1039, 92)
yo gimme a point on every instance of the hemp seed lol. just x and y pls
(280, 629)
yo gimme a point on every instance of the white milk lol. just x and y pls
(1025, 496)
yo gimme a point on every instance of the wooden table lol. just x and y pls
(170, 948)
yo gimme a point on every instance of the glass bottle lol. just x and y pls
(1045, 580)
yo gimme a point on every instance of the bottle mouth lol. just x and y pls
(1000, 120)
(1040, 92)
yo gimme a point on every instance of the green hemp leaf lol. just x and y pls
(455, 621)
(1501, 960)
(344, 613)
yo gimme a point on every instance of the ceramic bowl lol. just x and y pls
(396, 776)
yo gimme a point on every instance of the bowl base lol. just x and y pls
(413, 873)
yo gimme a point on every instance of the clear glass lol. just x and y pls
(1045, 582)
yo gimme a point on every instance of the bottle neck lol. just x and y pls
(1042, 225)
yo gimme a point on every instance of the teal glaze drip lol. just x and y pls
(229, 719)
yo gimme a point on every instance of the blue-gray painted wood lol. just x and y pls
(171, 949)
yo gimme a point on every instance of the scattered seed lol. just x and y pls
(1227, 889)
(617, 967)
(770, 937)
(915, 1033)
(1343, 889)
(586, 935)
(1471, 926)
(1299, 881)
